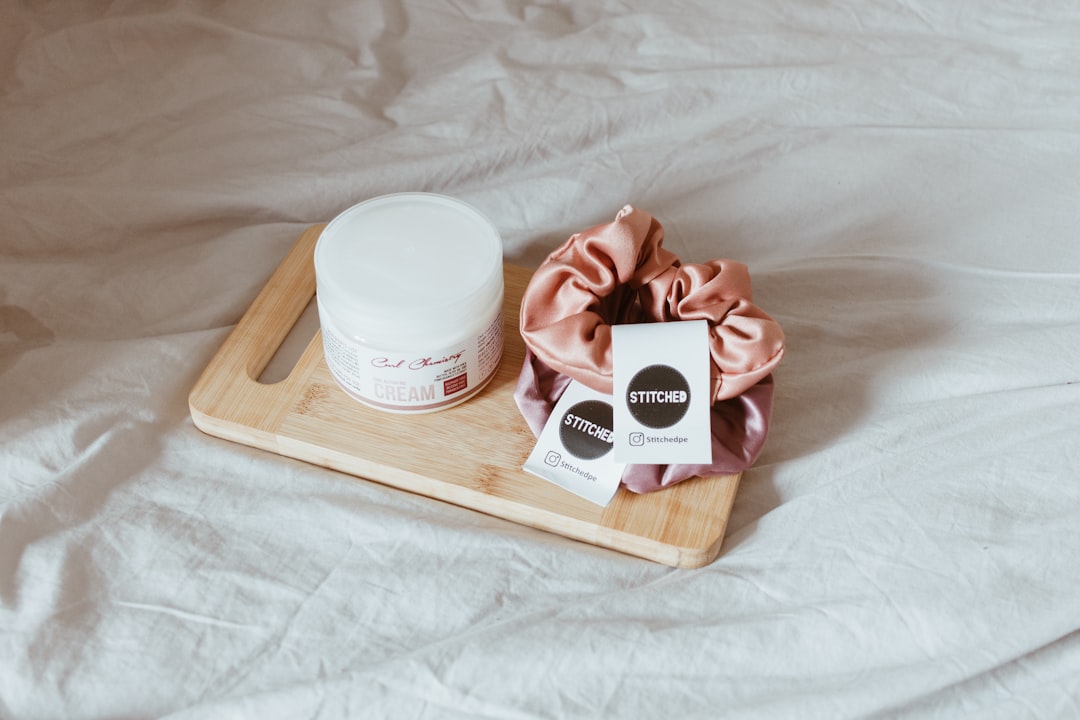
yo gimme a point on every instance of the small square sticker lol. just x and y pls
(661, 393)
(455, 384)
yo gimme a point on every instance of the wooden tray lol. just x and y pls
(470, 455)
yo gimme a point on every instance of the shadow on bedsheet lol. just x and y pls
(20, 332)
(853, 324)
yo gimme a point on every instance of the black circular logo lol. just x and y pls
(658, 396)
(585, 430)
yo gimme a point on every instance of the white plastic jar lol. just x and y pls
(410, 294)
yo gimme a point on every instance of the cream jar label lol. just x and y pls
(404, 382)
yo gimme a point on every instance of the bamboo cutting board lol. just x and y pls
(470, 455)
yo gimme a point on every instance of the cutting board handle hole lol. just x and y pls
(290, 350)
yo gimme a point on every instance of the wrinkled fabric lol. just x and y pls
(901, 179)
(620, 273)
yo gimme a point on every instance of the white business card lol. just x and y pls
(661, 392)
(574, 450)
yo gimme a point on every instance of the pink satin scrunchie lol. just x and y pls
(619, 273)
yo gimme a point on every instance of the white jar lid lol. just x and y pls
(399, 268)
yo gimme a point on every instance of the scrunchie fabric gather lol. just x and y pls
(619, 273)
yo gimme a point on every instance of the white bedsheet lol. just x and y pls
(903, 180)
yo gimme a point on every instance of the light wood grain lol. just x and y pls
(470, 455)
